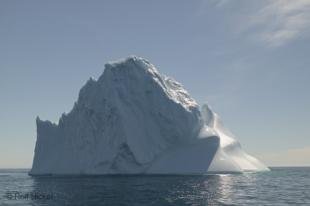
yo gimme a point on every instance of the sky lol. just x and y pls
(249, 60)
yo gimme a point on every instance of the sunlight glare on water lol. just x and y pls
(280, 186)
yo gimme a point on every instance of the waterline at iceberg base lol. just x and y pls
(134, 120)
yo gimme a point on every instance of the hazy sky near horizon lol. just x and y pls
(248, 59)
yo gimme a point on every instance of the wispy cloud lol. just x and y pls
(281, 21)
(273, 22)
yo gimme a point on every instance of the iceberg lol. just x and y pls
(134, 120)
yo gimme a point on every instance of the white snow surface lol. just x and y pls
(135, 120)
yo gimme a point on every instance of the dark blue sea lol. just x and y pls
(280, 186)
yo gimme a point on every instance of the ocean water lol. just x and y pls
(280, 186)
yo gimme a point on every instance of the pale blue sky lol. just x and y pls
(249, 60)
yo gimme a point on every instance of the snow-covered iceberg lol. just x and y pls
(135, 120)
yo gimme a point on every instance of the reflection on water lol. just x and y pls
(278, 187)
(225, 183)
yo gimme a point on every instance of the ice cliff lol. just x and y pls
(135, 120)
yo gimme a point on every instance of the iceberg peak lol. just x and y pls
(131, 63)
